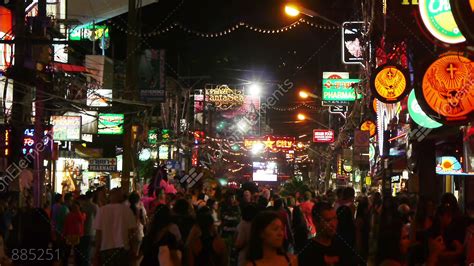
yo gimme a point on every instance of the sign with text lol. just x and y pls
(103, 165)
(340, 91)
(67, 128)
(224, 98)
(152, 78)
(323, 135)
(111, 124)
(271, 142)
(353, 42)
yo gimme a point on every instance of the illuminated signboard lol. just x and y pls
(339, 91)
(271, 143)
(463, 12)
(265, 171)
(370, 126)
(389, 84)
(99, 97)
(28, 140)
(111, 124)
(448, 165)
(417, 114)
(323, 135)
(225, 98)
(6, 50)
(85, 32)
(439, 21)
(89, 121)
(353, 42)
(67, 128)
(447, 89)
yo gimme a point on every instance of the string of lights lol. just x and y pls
(229, 30)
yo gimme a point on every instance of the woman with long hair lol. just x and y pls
(266, 242)
(206, 247)
(300, 229)
(161, 245)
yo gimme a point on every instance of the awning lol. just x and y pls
(98, 10)
(69, 68)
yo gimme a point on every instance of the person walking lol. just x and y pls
(74, 230)
(116, 229)
(266, 242)
(87, 240)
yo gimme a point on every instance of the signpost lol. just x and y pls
(439, 21)
(111, 124)
(103, 165)
(339, 110)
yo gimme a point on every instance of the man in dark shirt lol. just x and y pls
(321, 250)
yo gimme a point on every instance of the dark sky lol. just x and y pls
(299, 55)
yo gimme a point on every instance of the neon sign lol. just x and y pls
(439, 21)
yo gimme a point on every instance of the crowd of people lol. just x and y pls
(244, 227)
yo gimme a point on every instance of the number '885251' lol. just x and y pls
(34, 254)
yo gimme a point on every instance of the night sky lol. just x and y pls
(299, 55)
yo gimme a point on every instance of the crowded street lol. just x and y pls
(236, 133)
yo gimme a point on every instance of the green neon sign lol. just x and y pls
(439, 20)
(335, 90)
(417, 114)
(111, 124)
(85, 32)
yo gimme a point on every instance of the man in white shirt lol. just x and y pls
(116, 228)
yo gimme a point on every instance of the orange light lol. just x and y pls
(301, 117)
(291, 10)
(304, 94)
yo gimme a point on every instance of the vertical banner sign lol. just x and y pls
(151, 72)
(353, 42)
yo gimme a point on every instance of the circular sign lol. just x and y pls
(389, 84)
(347, 166)
(439, 21)
(374, 105)
(418, 115)
(371, 152)
(370, 126)
(463, 12)
(447, 88)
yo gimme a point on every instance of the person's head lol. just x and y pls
(204, 220)
(212, 204)
(266, 193)
(68, 199)
(299, 221)
(133, 198)
(89, 196)
(362, 207)
(290, 201)
(249, 212)
(58, 198)
(75, 207)
(348, 194)
(470, 210)
(247, 196)
(279, 204)
(267, 230)
(443, 217)
(229, 198)
(325, 218)
(183, 207)
(405, 212)
(161, 219)
(262, 202)
(116, 195)
(449, 200)
(393, 241)
(307, 196)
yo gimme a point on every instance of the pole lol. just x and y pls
(129, 93)
(19, 112)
